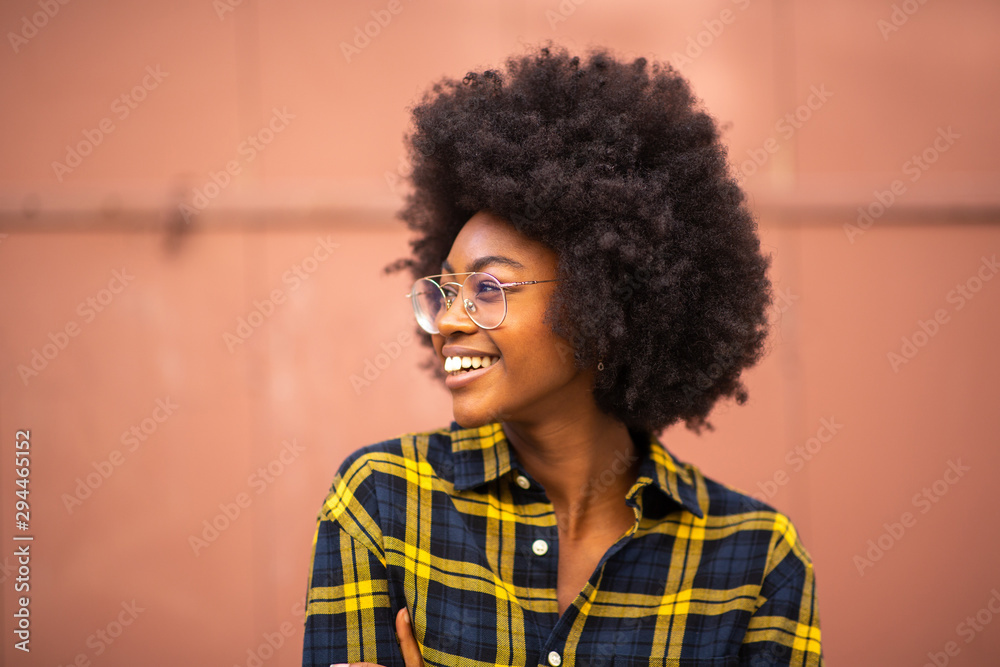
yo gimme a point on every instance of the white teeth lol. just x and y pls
(452, 364)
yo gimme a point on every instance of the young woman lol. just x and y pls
(587, 274)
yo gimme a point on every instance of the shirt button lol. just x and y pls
(541, 547)
(555, 659)
(522, 482)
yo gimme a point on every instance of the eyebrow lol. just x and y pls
(482, 262)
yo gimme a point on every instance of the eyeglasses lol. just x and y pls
(483, 296)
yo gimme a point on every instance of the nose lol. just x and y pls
(455, 318)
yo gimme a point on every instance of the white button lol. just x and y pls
(522, 481)
(554, 659)
(541, 547)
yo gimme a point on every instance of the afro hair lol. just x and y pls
(615, 167)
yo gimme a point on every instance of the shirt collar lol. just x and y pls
(482, 454)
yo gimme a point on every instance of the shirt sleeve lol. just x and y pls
(784, 630)
(349, 613)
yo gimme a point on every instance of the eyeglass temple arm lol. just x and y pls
(529, 282)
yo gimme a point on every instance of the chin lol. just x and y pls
(473, 420)
(472, 417)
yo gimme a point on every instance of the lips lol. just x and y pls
(460, 378)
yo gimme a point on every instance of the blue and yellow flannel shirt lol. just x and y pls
(449, 524)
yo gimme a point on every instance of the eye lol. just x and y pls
(488, 291)
(450, 291)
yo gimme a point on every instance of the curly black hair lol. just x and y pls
(615, 167)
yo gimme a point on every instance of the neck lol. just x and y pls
(586, 463)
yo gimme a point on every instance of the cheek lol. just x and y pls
(560, 356)
(552, 350)
(536, 355)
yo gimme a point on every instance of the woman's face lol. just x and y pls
(532, 376)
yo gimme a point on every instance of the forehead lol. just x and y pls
(486, 236)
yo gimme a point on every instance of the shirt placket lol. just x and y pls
(544, 552)
(538, 551)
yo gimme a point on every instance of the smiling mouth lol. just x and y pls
(460, 365)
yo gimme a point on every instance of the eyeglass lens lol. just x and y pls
(481, 295)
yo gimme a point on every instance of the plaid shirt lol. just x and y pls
(449, 524)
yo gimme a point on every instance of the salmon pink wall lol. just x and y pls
(196, 202)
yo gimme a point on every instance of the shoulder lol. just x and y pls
(750, 521)
(423, 452)
(374, 481)
(728, 500)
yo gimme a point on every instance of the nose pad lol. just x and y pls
(458, 319)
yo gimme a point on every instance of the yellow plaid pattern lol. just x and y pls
(437, 522)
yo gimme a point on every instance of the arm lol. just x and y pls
(784, 629)
(349, 615)
(407, 644)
